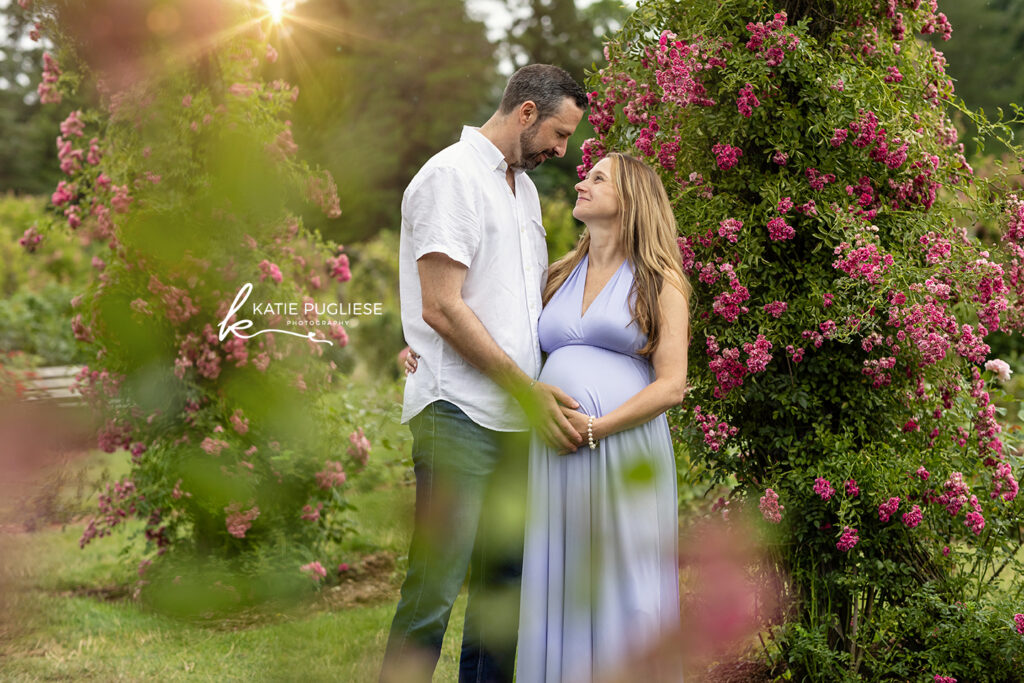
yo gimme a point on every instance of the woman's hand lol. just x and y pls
(411, 363)
(578, 421)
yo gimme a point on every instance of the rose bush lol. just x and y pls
(848, 267)
(186, 169)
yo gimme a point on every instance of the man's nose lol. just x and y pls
(560, 148)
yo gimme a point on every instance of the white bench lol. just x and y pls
(53, 385)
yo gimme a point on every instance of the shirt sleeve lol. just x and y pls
(441, 212)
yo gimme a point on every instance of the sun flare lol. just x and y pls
(276, 10)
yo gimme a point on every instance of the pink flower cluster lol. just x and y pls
(938, 248)
(322, 190)
(214, 446)
(1004, 477)
(817, 179)
(593, 150)
(869, 135)
(986, 425)
(729, 229)
(894, 75)
(268, 269)
(852, 490)
(239, 423)
(678, 67)
(310, 513)
(667, 153)
(116, 503)
(645, 140)
(239, 522)
(283, 145)
(716, 431)
(747, 100)
(360, 448)
(1018, 619)
(30, 239)
(200, 353)
(848, 539)
(913, 518)
(726, 156)
(955, 495)
(823, 487)
(315, 570)
(331, 475)
(768, 40)
(48, 93)
(974, 519)
(758, 355)
(938, 24)
(338, 267)
(770, 508)
(729, 304)
(779, 229)
(728, 369)
(601, 117)
(888, 509)
(862, 261)
(776, 308)
(178, 305)
(114, 435)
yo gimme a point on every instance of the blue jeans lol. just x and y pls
(470, 505)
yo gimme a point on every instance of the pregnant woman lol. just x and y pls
(600, 574)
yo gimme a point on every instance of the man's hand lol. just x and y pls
(543, 406)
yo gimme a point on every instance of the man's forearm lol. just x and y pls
(462, 330)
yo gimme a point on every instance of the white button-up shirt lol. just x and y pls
(460, 204)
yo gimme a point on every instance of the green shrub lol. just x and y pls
(843, 304)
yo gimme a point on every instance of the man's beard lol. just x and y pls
(530, 156)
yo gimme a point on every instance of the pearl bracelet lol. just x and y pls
(590, 433)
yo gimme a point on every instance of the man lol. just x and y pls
(472, 263)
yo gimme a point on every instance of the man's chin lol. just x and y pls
(530, 164)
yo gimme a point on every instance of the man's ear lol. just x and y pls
(527, 113)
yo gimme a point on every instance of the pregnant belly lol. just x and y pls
(601, 380)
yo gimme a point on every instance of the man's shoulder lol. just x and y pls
(456, 158)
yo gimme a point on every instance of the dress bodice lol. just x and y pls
(606, 324)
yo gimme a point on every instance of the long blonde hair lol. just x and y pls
(649, 240)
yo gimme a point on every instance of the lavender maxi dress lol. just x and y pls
(600, 573)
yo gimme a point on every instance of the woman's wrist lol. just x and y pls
(599, 424)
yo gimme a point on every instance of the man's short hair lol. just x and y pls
(546, 86)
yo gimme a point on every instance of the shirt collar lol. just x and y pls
(491, 155)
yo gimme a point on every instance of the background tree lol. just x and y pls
(28, 157)
(384, 87)
(985, 56)
(559, 32)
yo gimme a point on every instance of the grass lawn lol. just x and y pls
(68, 616)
